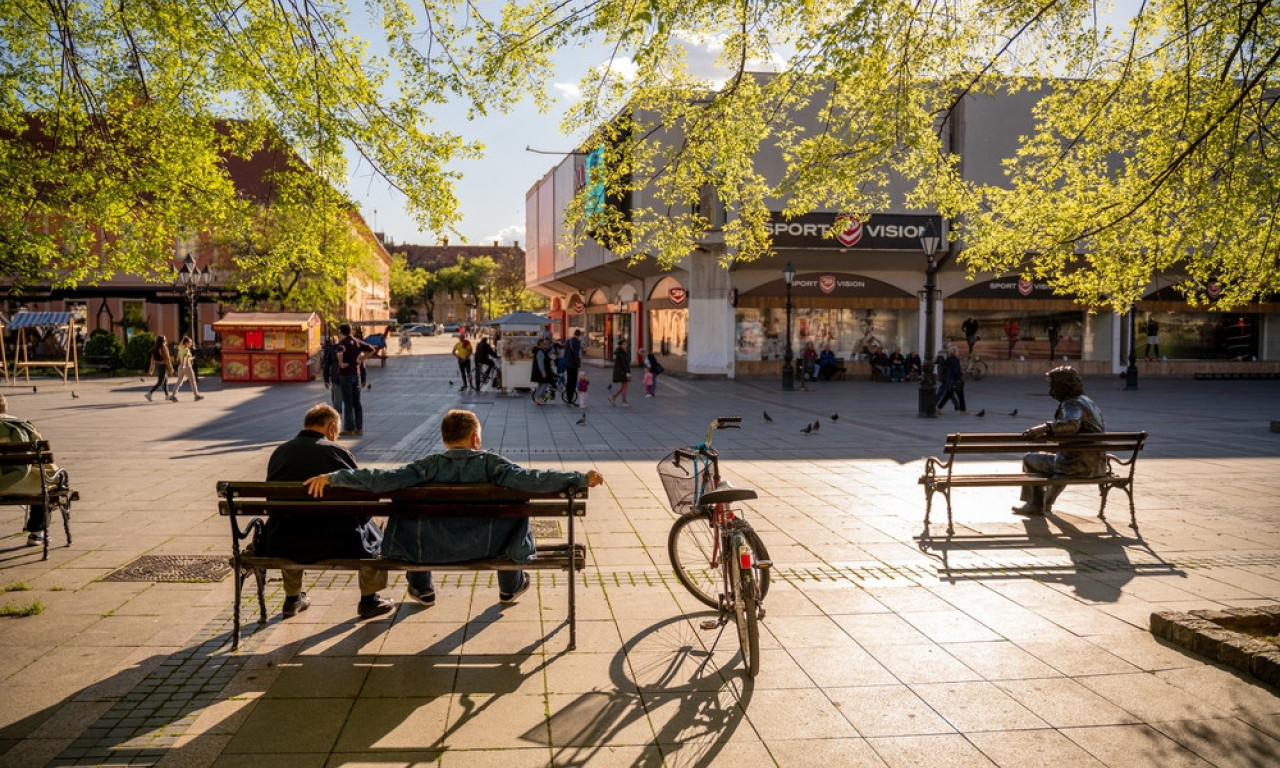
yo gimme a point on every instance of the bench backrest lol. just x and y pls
(432, 500)
(1013, 442)
(19, 454)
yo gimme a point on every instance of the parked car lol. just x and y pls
(451, 328)
(420, 329)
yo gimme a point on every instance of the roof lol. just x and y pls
(298, 321)
(520, 321)
(33, 319)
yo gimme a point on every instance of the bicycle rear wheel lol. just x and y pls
(745, 612)
(691, 545)
(977, 369)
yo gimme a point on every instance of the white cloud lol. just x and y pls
(571, 91)
(507, 236)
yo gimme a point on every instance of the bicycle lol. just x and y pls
(975, 369)
(711, 541)
(550, 392)
(488, 373)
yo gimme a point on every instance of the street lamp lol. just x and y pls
(788, 373)
(929, 244)
(1131, 373)
(192, 281)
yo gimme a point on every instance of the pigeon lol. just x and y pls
(33, 389)
(582, 420)
(768, 419)
(807, 428)
(74, 396)
(142, 378)
(451, 382)
(817, 424)
(835, 417)
(981, 413)
(1014, 412)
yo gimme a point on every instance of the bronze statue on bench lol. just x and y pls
(1076, 415)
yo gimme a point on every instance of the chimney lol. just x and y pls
(495, 243)
(517, 243)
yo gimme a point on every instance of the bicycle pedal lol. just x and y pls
(710, 624)
(764, 563)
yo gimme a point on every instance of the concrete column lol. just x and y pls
(710, 316)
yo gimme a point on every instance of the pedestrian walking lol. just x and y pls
(161, 366)
(952, 387)
(1011, 331)
(329, 371)
(186, 370)
(350, 350)
(582, 386)
(652, 370)
(572, 364)
(621, 373)
(462, 351)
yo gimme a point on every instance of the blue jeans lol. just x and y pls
(352, 413)
(508, 581)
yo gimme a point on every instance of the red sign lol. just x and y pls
(851, 234)
(827, 283)
(575, 305)
(1025, 286)
(677, 296)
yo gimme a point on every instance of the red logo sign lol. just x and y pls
(1213, 289)
(1024, 286)
(575, 305)
(677, 296)
(851, 234)
(827, 283)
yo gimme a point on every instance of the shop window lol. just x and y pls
(669, 331)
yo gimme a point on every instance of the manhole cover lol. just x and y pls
(173, 568)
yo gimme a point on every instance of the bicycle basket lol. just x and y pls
(679, 482)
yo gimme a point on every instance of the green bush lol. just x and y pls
(104, 344)
(137, 356)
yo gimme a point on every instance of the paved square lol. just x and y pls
(1017, 642)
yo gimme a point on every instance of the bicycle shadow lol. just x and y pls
(665, 679)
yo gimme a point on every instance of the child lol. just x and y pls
(582, 389)
(648, 383)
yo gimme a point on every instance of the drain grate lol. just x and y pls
(177, 568)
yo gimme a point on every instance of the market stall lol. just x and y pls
(268, 346)
(518, 334)
(52, 334)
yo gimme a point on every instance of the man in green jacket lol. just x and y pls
(456, 539)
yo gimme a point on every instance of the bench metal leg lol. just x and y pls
(261, 575)
(573, 583)
(1103, 489)
(951, 529)
(928, 506)
(235, 610)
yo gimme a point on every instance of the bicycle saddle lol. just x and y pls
(726, 496)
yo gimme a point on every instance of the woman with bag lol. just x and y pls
(186, 370)
(161, 366)
(621, 373)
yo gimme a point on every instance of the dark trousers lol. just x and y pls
(508, 581)
(352, 413)
(162, 377)
(954, 392)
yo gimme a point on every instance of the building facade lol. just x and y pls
(862, 290)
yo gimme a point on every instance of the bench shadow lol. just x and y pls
(1100, 562)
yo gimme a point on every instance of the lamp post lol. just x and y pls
(788, 373)
(929, 244)
(192, 281)
(1131, 373)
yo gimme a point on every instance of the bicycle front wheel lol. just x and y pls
(745, 612)
(691, 545)
(977, 370)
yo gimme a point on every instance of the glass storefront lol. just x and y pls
(760, 333)
(1198, 335)
(669, 331)
(1028, 330)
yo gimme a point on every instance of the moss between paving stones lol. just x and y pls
(1221, 636)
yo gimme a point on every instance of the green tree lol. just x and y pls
(117, 120)
(409, 285)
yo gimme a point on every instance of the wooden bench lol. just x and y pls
(55, 488)
(248, 503)
(105, 363)
(1121, 449)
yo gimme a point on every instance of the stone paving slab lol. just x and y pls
(1014, 643)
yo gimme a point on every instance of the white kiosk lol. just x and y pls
(519, 332)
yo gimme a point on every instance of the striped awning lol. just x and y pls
(36, 319)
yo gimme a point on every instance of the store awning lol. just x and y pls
(38, 319)
(288, 321)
